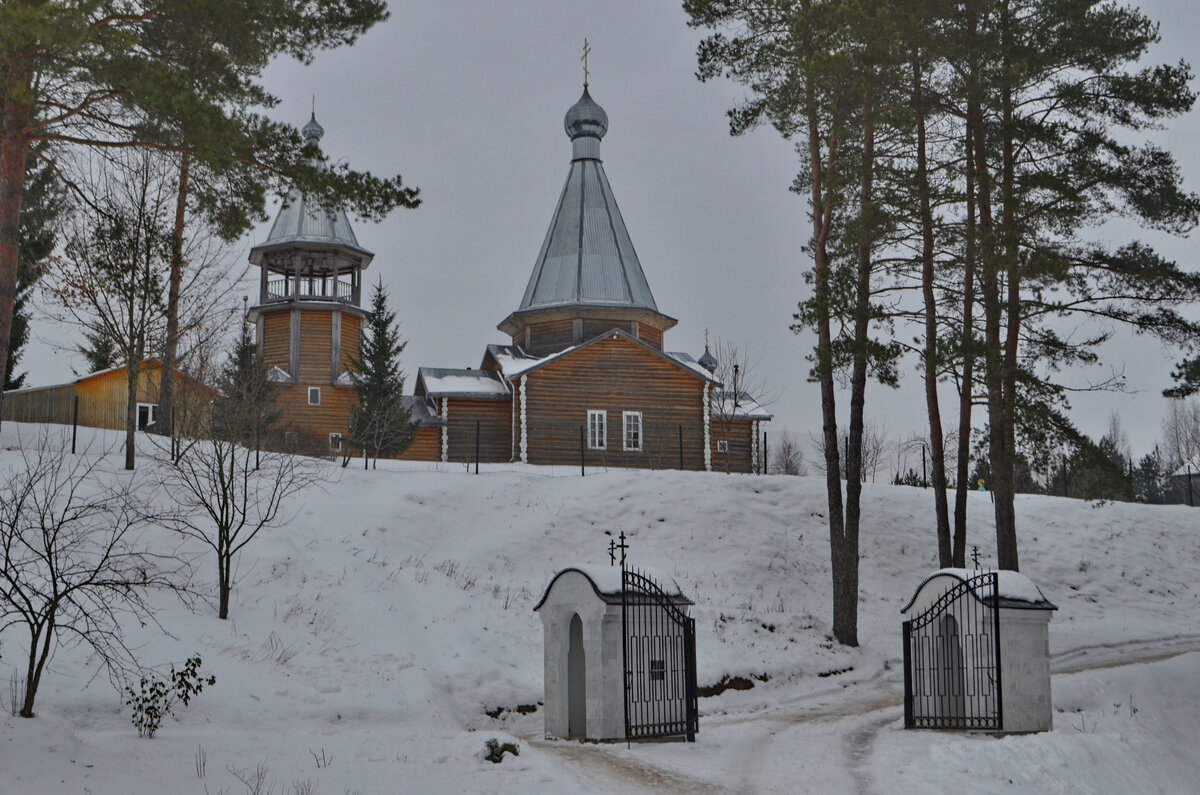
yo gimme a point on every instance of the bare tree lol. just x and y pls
(788, 458)
(112, 282)
(742, 391)
(875, 446)
(228, 493)
(76, 563)
(1181, 433)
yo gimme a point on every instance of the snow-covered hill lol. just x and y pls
(379, 628)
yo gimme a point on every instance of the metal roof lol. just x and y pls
(421, 412)
(454, 382)
(587, 257)
(303, 220)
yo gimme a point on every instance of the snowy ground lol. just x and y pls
(378, 628)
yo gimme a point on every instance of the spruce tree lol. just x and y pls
(245, 412)
(380, 423)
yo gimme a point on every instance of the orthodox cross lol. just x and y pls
(587, 49)
(975, 557)
(613, 546)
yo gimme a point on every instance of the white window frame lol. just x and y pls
(722, 445)
(629, 419)
(314, 390)
(597, 429)
(335, 442)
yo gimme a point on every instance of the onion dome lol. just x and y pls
(312, 131)
(586, 118)
(708, 361)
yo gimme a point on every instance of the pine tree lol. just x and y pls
(380, 423)
(184, 77)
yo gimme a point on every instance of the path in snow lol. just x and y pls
(857, 715)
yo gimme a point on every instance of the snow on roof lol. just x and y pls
(607, 582)
(512, 360)
(445, 382)
(1011, 586)
(688, 361)
(746, 407)
(1187, 468)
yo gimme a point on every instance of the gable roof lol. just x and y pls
(680, 360)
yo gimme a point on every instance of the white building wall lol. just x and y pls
(1025, 670)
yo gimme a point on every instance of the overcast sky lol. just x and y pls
(466, 101)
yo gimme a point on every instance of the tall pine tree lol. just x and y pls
(380, 424)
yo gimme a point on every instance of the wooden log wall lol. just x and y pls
(495, 430)
(740, 435)
(277, 339)
(316, 346)
(547, 338)
(351, 331)
(313, 424)
(650, 335)
(427, 446)
(615, 375)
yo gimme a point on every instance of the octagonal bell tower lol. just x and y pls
(309, 316)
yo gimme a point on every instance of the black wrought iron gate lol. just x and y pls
(659, 651)
(952, 660)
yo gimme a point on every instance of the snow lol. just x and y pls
(1009, 585)
(482, 384)
(607, 579)
(395, 610)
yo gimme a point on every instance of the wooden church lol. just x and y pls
(584, 376)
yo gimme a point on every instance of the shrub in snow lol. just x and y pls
(154, 698)
(495, 750)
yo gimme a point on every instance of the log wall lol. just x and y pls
(495, 430)
(615, 375)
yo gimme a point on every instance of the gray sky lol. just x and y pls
(466, 101)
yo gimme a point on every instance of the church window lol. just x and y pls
(314, 396)
(723, 446)
(633, 430)
(335, 442)
(597, 430)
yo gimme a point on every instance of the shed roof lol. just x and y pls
(422, 412)
(439, 382)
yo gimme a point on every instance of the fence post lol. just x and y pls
(75, 425)
(476, 447)
(765, 457)
(582, 473)
(681, 447)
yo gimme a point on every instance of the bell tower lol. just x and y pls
(309, 316)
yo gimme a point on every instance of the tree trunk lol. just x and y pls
(224, 563)
(166, 391)
(37, 663)
(14, 149)
(132, 370)
(937, 452)
(966, 397)
(1006, 524)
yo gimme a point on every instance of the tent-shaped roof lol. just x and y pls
(587, 258)
(303, 221)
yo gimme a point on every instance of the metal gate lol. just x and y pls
(659, 649)
(952, 660)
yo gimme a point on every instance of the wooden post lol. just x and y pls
(75, 425)
(1191, 503)
(681, 447)
(582, 473)
(924, 477)
(766, 458)
(476, 447)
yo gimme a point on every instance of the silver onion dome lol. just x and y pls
(312, 131)
(586, 118)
